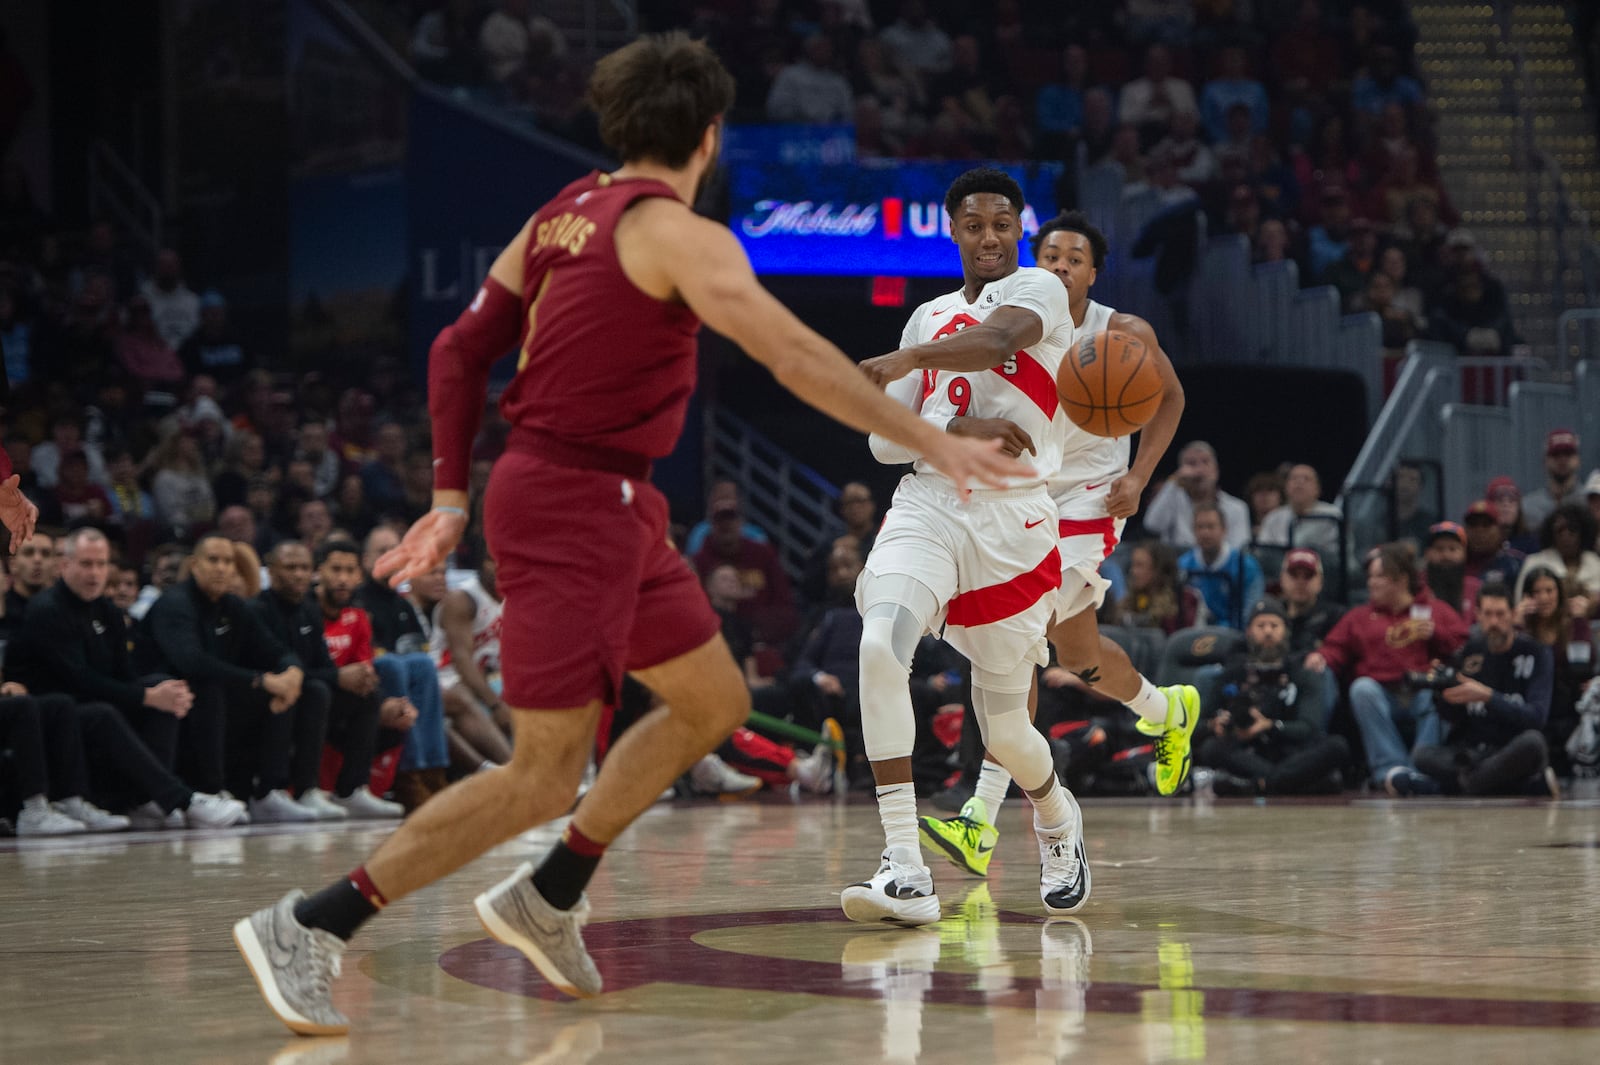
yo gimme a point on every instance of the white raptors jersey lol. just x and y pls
(1089, 462)
(485, 632)
(1022, 389)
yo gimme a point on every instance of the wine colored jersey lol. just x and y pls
(602, 363)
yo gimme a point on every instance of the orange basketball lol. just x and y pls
(1109, 385)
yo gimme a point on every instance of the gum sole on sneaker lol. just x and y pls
(244, 937)
(504, 933)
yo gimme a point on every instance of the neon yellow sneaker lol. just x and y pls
(1172, 739)
(967, 839)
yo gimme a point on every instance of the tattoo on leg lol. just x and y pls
(1090, 676)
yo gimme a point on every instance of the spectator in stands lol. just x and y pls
(1506, 498)
(76, 499)
(1470, 309)
(1444, 571)
(1329, 162)
(244, 459)
(1413, 521)
(1399, 325)
(19, 449)
(442, 45)
(1228, 578)
(1397, 633)
(1382, 83)
(181, 489)
(123, 589)
(1264, 491)
(725, 594)
(1495, 714)
(1591, 491)
(506, 35)
(1233, 85)
(384, 478)
(351, 512)
(1171, 513)
(1099, 127)
(1305, 520)
(1403, 183)
(143, 352)
(768, 602)
(1194, 163)
(33, 569)
(1156, 598)
(66, 438)
(1560, 478)
(1329, 241)
(721, 494)
(1150, 103)
(365, 719)
(173, 306)
(809, 90)
(1488, 556)
(916, 41)
(1058, 108)
(1169, 21)
(326, 465)
(1309, 50)
(130, 503)
(201, 633)
(75, 645)
(966, 90)
(166, 570)
(1567, 538)
(827, 670)
(1544, 612)
(215, 348)
(1267, 738)
(1350, 272)
(313, 522)
(1310, 616)
(859, 512)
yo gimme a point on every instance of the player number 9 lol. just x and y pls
(960, 395)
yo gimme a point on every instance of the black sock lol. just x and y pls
(566, 870)
(338, 908)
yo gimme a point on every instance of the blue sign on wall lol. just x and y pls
(875, 217)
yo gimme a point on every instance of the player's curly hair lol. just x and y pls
(1073, 222)
(983, 179)
(656, 96)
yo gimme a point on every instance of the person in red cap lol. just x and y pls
(1506, 498)
(1487, 552)
(1560, 478)
(1444, 570)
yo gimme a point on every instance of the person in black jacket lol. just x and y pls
(1494, 716)
(200, 632)
(1267, 739)
(72, 652)
(288, 612)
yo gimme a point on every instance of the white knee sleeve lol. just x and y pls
(889, 636)
(1001, 702)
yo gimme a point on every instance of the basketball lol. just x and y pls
(1109, 385)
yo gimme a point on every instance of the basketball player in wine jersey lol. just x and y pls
(602, 292)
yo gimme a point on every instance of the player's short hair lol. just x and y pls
(656, 96)
(330, 548)
(983, 179)
(1073, 222)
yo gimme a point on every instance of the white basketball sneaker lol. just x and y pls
(900, 892)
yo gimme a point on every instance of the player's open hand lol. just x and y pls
(1123, 499)
(882, 369)
(16, 512)
(975, 463)
(1014, 440)
(427, 543)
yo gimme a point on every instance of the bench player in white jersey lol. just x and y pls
(465, 643)
(986, 572)
(1095, 491)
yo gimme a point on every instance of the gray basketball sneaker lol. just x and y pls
(294, 966)
(514, 913)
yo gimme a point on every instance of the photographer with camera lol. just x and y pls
(1400, 630)
(1493, 708)
(1268, 738)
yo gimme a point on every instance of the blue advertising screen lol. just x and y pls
(861, 217)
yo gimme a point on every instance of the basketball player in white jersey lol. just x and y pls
(465, 642)
(1095, 491)
(986, 572)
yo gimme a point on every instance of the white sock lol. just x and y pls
(1149, 704)
(897, 809)
(993, 782)
(39, 804)
(1051, 813)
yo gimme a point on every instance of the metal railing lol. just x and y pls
(116, 192)
(1577, 336)
(791, 501)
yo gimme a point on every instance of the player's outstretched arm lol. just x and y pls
(981, 347)
(702, 262)
(1157, 434)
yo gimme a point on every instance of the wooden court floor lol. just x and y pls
(1364, 931)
